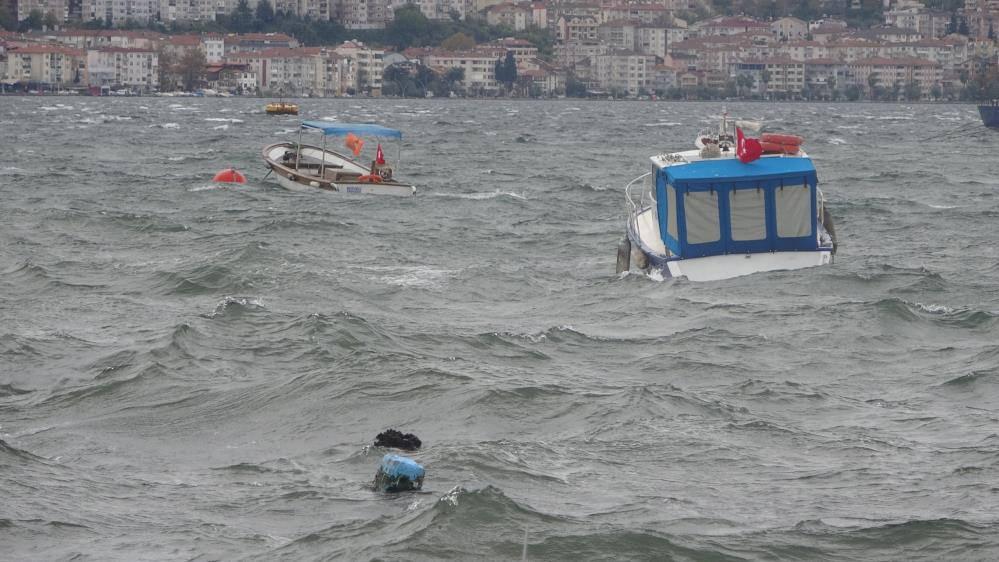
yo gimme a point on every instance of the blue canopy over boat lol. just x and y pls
(722, 206)
(731, 169)
(332, 129)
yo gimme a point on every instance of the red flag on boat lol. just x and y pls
(379, 156)
(747, 149)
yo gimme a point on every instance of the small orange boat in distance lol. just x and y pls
(282, 108)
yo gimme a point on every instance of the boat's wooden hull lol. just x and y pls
(327, 171)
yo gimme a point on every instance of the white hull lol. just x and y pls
(361, 188)
(644, 226)
(714, 268)
(327, 171)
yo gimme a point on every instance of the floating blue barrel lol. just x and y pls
(399, 474)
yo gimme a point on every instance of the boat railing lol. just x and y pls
(643, 198)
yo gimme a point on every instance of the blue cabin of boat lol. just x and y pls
(714, 207)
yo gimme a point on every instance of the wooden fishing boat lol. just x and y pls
(302, 167)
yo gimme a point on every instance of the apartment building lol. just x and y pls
(640, 13)
(514, 16)
(368, 65)
(479, 66)
(117, 12)
(789, 29)
(625, 71)
(889, 73)
(58, 8)
(117, 66)
(47, 64)
(783, 76)
(285, 71)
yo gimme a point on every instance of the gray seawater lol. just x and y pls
(195, 372)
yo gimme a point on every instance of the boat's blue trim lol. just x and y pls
(332, 129)
(990, 115)
(656, 261)
(731, 169)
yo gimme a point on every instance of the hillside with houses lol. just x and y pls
(679, 49)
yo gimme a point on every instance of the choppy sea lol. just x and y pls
(191, 371)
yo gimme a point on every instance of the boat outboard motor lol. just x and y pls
(827, 222)
(623, 255)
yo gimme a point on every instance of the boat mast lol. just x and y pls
(298, 153)
(322, 167)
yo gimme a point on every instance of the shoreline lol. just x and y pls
(495, 99)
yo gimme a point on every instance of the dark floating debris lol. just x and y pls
(398, 440)
(399, 474)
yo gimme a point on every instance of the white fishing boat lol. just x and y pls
(731, 207)
(302, 167)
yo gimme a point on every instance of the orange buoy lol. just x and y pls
(229, 176)
(370, 178)
(777, 138)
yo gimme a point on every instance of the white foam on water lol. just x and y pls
(480, 196)
(221, 127)
(662, 124)
(224, 119)
(836, 140)
(934, 308)
(419, 276)
(943, 206)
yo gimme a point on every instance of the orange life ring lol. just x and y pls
(777, 138)
(777, 148)
(370, 178)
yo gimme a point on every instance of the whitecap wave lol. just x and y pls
(934, 308)
(481, 196)
(419, 276)
(224, 119)
(836, 140)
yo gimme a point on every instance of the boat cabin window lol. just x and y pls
(701, 213)
(671, 212)
(794, 211)
(747, 209)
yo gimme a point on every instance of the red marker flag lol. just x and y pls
(379, 156)
(747, 149)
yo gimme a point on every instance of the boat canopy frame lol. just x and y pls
(721, 207)
(334, 129)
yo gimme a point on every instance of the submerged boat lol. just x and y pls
(731, 207)
(990, 113)
(302, 167)
(281, 108)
